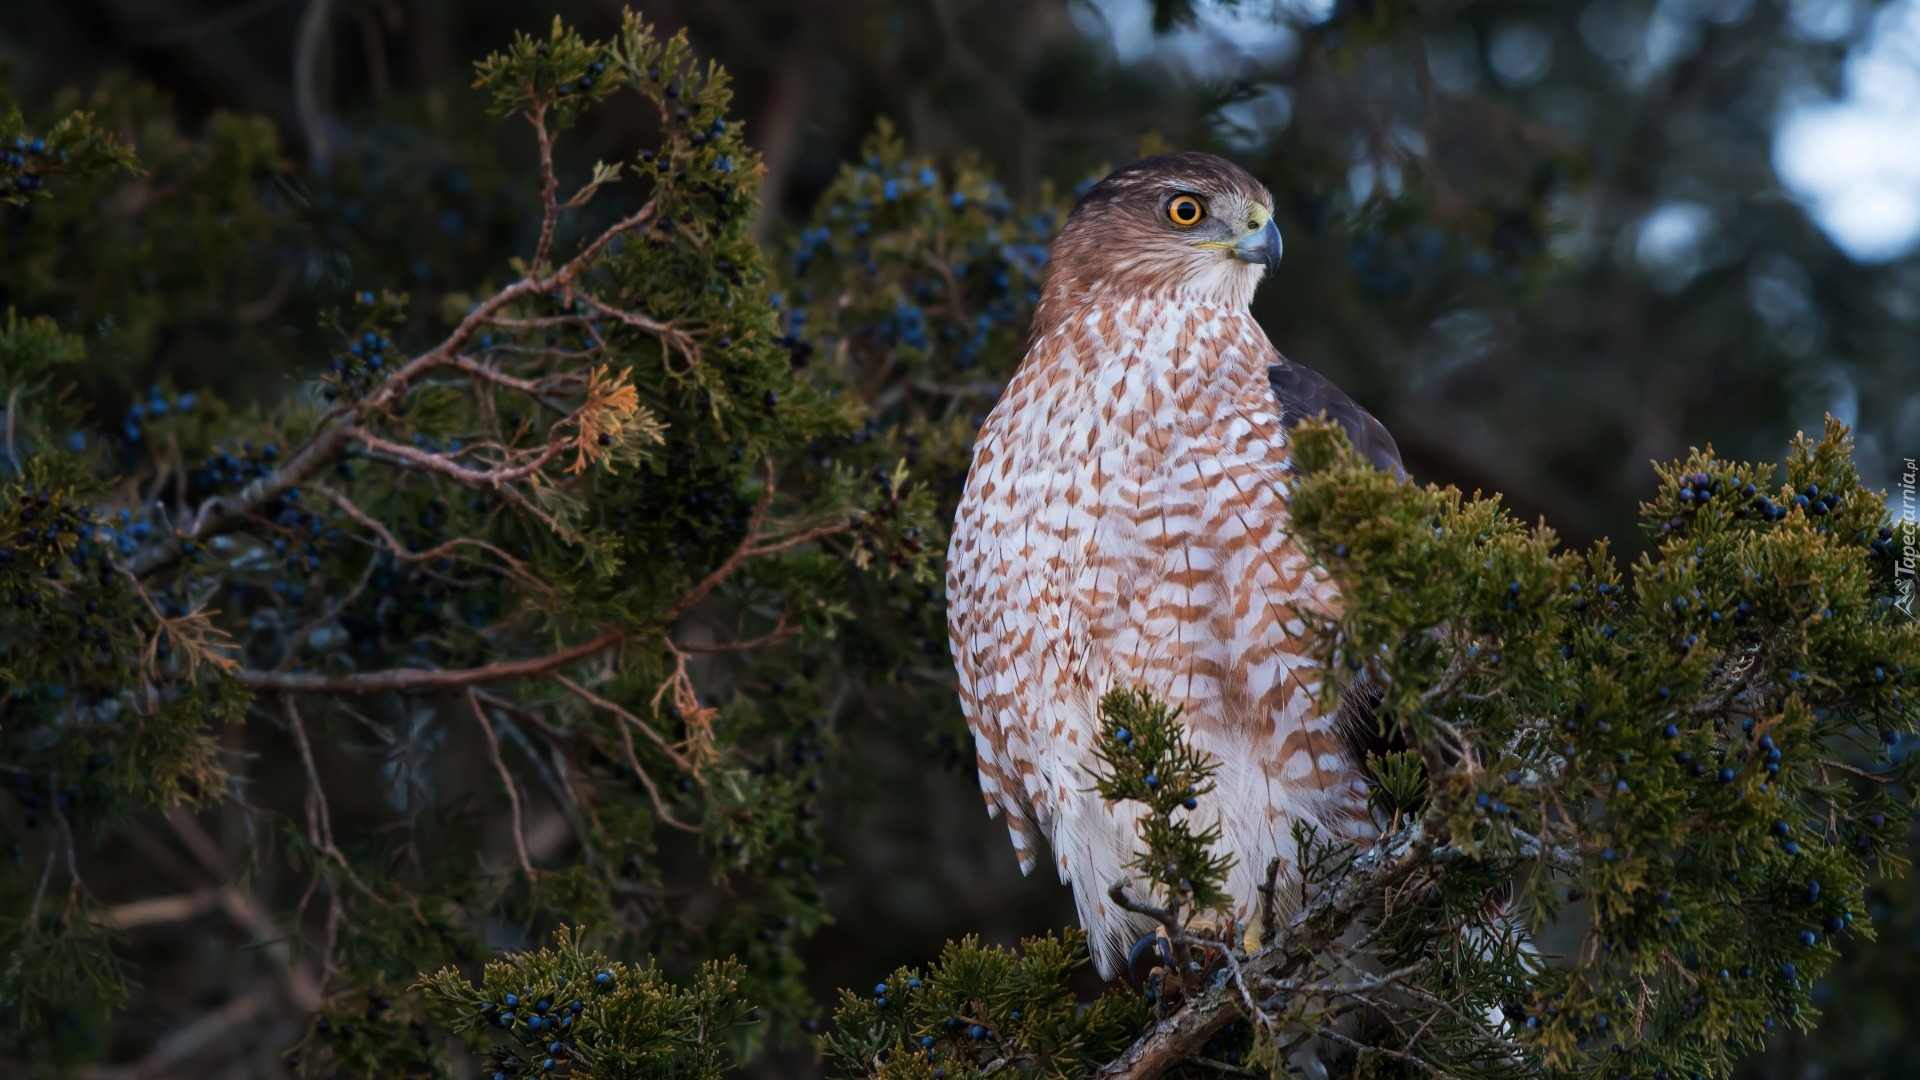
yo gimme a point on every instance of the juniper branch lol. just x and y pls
(1387, 863)
(222, 513)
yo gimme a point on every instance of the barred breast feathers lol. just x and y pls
(1125, 524)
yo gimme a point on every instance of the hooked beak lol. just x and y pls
(1261, 246)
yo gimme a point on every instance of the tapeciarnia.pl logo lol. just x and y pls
(1906, 525)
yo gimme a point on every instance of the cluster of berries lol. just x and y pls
(27, 160)
(157, 407)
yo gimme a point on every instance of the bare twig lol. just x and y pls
(32, 923)
(494, 375)
(679, 760)
(780, 632)
(184, 1044)
(622, 719)
(1886, 778)
(162, 909)
(805, 536)
(1179, 943)
(399, 551)
(302, 985)
(308, 49)
(487, 479)
(506, 780)
(668, 334)
(1398, 1055)
(549, 185)
(319, 817)
(374, 682)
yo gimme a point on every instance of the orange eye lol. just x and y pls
(1185, 211)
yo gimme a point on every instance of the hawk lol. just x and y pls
(1125, 523)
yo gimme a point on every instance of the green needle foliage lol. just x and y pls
(1148, 761)
(524, 534)
(980, 1009)
(1707, 751)
(506, 601)
(567, 1007)
(74, 147)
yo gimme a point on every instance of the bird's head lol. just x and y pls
(1192, 226)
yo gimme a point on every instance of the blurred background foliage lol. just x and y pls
(1545, 243)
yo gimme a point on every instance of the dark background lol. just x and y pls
(1545, 243)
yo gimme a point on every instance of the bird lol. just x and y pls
(1124, 522)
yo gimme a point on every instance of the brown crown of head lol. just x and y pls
(1172, 223)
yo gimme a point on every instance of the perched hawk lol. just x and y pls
(1125, 524)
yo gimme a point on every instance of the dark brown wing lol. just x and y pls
(1304, 394)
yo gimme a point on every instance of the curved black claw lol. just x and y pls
(1149, 952)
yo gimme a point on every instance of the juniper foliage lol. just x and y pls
(601, 1017)
(1147, 760)
(1707, 750)
(981, 1008)
(531, 535)
(574, 563)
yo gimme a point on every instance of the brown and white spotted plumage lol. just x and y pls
(1125, 524)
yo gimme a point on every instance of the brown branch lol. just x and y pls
(319, 816)
(32, 923)
(302, 986)
(222, 513)
(622, 719)
(780, 632)
(686, 699)
(625, 225)
(549, 185)
(198, 844)
(1490, 1037)
(1319, 924)
(665, 332)
(439, 463)
(570, 789)
(399, 551)
(1863, 774)
(537, 322)
(680, 760)
(494, 375)
(162, 909)
(506, 780)
(955, 308)
(374, 682)
(1398, 1055)
(805, 536)
(309, 47)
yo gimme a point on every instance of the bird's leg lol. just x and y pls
(1191, 945)
(1181, 957)
(1208, 935)
(1150, 958)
